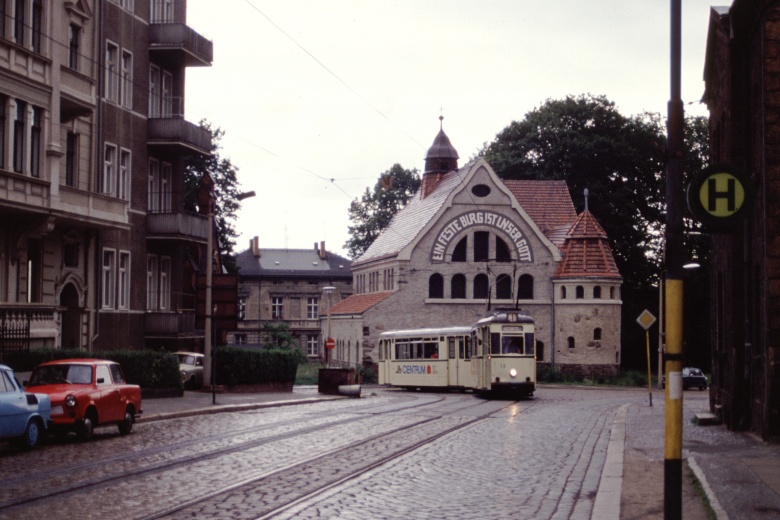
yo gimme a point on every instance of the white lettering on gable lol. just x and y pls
(476, 218)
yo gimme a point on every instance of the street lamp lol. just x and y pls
(208, 365)
(329, 291)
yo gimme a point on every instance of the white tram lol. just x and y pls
(494, 355)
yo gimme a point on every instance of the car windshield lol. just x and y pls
(56, 374)
(695, 372)
(186, 359)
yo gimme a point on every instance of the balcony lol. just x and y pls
(177, 226)
(23, 326)
(170, 324)
(176, 131)
(179, 43)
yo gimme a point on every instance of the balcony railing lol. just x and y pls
(182, 43)
(187, 226)
(178, 131)
(170, 323)
(21, 324)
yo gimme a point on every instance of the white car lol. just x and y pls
(191, 369)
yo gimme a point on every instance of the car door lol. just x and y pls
(110, 406)
(13, 407)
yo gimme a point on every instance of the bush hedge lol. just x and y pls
(239, 366)
(145, 368)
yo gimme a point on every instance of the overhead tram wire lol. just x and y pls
(336, 76)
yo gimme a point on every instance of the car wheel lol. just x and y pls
(32, 434)
(126, 426)
(86, 427)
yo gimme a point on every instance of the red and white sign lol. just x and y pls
(330, 343)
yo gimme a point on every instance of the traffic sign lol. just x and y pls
(719, 197)
(646, 319)
(330, 343)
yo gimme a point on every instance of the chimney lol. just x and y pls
(254, 243)
(323, 255)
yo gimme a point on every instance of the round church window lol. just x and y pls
(481, 190)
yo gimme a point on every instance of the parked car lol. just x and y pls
(191, 368)
(693, 378)
(87, 393)
(23, 416)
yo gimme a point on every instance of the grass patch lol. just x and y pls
(699, 489)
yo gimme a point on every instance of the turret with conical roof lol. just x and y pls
(441, 158)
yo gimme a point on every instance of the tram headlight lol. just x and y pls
(513, 373)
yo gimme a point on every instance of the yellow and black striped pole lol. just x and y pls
(674, 281)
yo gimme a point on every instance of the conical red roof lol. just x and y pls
(586, 251)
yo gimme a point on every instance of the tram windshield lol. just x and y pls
(517, 344)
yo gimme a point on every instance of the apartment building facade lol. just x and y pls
(96, 250)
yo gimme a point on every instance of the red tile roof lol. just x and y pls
(358, 303)
(586, 251)
(548, 203)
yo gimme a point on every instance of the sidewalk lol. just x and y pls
(738, 472)
(203, 403)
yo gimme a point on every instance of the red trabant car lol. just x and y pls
(86, 393)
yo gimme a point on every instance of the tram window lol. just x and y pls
(495, 343)
(451, 348)
(529, 344)
(465, 347)
(430, 350)
(381, 350)
(512, 345)
(401, 351)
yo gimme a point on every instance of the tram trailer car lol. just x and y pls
(494, 355)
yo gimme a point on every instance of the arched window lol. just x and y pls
(563, 292)
(436, 286)
(504, 287)
(580, 292)
(502, 251)
(459, 251)
(481, 246)
(458, 286)
(596, 334)
(597, 293)
(525, 287)
(571, 341)
(539, 351)
(481, 286)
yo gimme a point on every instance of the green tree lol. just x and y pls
(278, 336)
(374, 211)
(586, 142)
(621, 160)
(226, 188)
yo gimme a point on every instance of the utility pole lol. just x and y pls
(674, 280)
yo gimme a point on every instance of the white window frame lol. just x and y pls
(152, 276)
(277, 308)
(166, 94)
(153, 196)
(312, 308)
(111, 92)
(312, 345)
(123, 281)
(109, 169)
(165, 283)
(154, 91)
(125, 174)
(166, 174)
(161, 11)
(125, 86)
(108, 263)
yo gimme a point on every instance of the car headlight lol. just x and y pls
(70, 401)
(513, 373)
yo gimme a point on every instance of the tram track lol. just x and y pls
(276, 492)
(50, 484)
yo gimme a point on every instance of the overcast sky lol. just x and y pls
(317, 98)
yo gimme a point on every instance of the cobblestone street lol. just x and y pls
(391, 454)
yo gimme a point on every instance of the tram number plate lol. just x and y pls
(512, 327)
